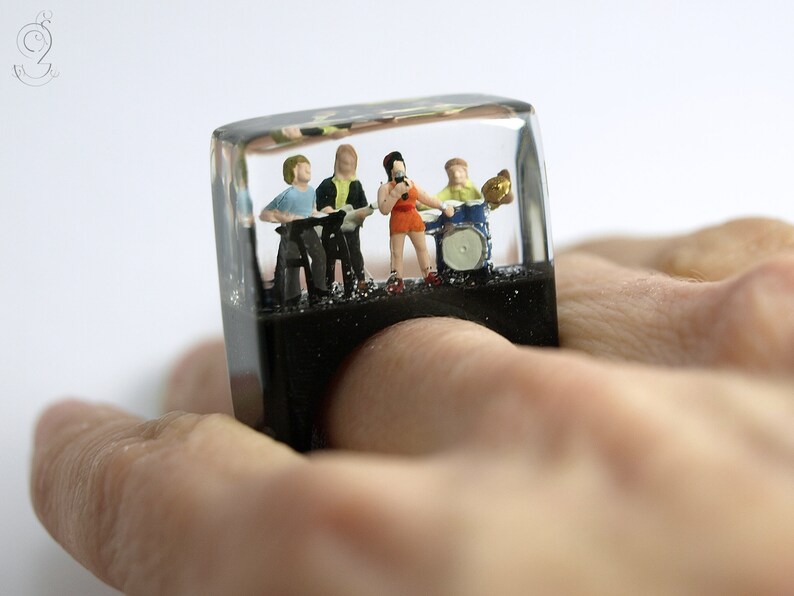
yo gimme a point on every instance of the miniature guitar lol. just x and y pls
(355, 217)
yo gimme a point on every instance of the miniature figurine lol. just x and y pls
(460, 188)
(496, 190)
(344, 191)
(463, 242)
(319, 127)
(398, 197)
(299, 241)
(244, 206)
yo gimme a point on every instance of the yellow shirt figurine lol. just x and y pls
(460, 188)
(342, 190)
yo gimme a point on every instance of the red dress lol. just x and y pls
(404, 216)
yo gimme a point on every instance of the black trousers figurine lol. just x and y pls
(300, 246)
(346, 247)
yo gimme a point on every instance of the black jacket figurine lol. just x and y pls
(344, 246)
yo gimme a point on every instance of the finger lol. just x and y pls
(199, 382)
(542, 402)
(710, 254)
(744, 322)
(200, 504)
(129, 499)
(605, 310)
(430, 385)
(411, 411)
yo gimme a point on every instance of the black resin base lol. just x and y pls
(282, 363)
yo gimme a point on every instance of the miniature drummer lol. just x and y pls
(473, 209)
(398, 197)
(460, 188)
(497, 190)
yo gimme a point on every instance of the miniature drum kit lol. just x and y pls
(463, 241)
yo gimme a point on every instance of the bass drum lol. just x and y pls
(464, 248)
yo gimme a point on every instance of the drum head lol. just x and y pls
(464, 249)
(429, 215)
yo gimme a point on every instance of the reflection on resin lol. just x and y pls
(310, 270)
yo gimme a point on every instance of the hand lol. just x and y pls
(362, 213)
(401, 189)
(448, 210)
(652, 454)
(273, 215)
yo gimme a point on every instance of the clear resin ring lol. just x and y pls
(334, 224)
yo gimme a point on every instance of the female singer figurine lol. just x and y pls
(398, 197)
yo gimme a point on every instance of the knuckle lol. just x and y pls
(313, 497)
(330, 506)
(755, 316)
(125, 498)
(722, 251)
(542, 402)
(322, 499)
(138, 478)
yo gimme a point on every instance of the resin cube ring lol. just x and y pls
(334, 224)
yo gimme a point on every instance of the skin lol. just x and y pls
(387, 198)
(457, 176)
(652, 454)
(345, 165)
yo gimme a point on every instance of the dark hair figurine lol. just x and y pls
(397, 198)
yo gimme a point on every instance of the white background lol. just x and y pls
(656, 116)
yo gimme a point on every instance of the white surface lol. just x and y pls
(656, 116)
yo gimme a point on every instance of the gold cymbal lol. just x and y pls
(495, 189)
